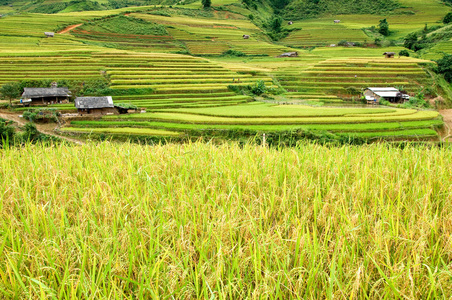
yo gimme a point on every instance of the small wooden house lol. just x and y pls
(95, 105)
(246, 36)
(45, 96)
(375, 94)
(337, 21)
(289, 54)
(389, 54)
(49, 34)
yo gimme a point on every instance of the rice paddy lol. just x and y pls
(216, 219)
(122, 221)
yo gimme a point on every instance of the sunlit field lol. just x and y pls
(199, 221)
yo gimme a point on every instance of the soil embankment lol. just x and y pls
(447, 118)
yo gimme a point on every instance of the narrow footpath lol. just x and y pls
(43, 128)
(69, 28)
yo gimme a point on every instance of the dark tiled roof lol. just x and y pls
(94, 102)
(46, 92)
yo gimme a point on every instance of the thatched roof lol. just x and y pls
(94, 102)
(49, 33)
(46, 92)
(389, 53)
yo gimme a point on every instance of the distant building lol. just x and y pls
(95, 105)
(337, 21)
(374, 94)
(45, 96)
(49, 34)
(246, 36)
(332, 45)
(389, 54)
(290, 23)
(289, 54)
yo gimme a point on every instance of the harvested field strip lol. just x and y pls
(364, 127)
(204, 99)
(183, 81)
(124, 130)
(198, 119)
(203, 76)
(158, 96)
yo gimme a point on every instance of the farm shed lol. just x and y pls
(289, 54)
(374, 94)
(389, 54)
(45, 96)
(337, 21)
(49, 34)
(95, 105)
(290, 23)
(246, 36)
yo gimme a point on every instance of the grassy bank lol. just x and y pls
(201, 221)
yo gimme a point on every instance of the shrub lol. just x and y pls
(232, 52)
(41, 114)
(6, 131)
(445, 67)
(448, 18)
(404, 53)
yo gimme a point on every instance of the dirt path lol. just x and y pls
(43, 128)
(69, 28)
(447, 117)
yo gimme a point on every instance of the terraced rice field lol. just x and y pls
(177, 80)
(323, 32)
(260, 117)
(191, 93)
(343, 77)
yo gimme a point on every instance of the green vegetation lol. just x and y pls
(10, 91)
(445, 67)
(383, 27)
(41, 114)
(10, 135)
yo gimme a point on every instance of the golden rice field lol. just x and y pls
(199, 221)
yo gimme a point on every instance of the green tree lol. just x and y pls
(445, 67)
(206, 3)
(410, 41)
(383, 27)
(10, 91)
(276, 23)
(448, 18)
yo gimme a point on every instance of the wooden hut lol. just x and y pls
(289, 54)
(389, 54)
(337, 21)
(290, 23)
(49, 34)
(374, 94)
(246, 36)
(95, 105)
(45, 96)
